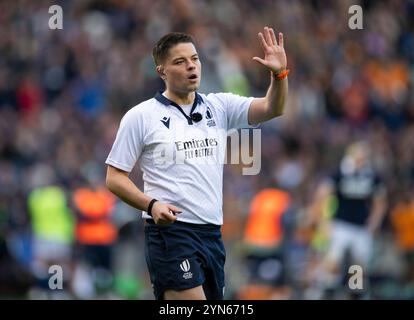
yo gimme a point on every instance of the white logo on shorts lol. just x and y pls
(185, 266)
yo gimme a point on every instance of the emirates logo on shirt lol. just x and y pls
(197, 148)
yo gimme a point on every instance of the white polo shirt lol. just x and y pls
(181, 159)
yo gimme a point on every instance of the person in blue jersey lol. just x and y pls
(177, 140)
(361, 203)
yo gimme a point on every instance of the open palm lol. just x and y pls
(274, 53)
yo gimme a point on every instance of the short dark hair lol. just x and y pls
(160, 51)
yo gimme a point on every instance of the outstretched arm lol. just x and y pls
(272, 105)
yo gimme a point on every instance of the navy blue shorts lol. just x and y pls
(183, 256)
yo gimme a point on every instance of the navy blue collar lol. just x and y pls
(167, 102)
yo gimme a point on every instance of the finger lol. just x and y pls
(267, 36)
(262, 41)
(174, 209)
(259, 60)
(273, 36)
(281, 39)
(174, 212)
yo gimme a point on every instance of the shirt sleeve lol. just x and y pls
(237, 109)
(129, 142)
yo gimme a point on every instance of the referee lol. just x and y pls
(177, 139)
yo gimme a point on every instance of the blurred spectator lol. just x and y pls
(264, 251)
(95, 235)
(402, 217)
(361, 205)
(53, 233)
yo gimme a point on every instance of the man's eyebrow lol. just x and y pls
(178, 58)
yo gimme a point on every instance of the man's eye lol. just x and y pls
(179, 62)
(195, 58)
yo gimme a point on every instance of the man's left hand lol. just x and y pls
(274, 53)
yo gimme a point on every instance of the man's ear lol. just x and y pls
(160, 71)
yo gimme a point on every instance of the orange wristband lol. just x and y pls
(281, 75)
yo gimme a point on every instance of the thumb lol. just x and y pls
(259, 60)
(174, 209)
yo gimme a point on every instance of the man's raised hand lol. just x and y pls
(274, 53)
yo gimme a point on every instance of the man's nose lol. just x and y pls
(191, 65)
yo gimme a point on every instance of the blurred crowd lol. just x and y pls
(63, 93)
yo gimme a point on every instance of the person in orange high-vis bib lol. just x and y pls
(263, 229)
(95, 233)
(263, 236)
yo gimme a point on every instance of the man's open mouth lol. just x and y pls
(192, 77)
